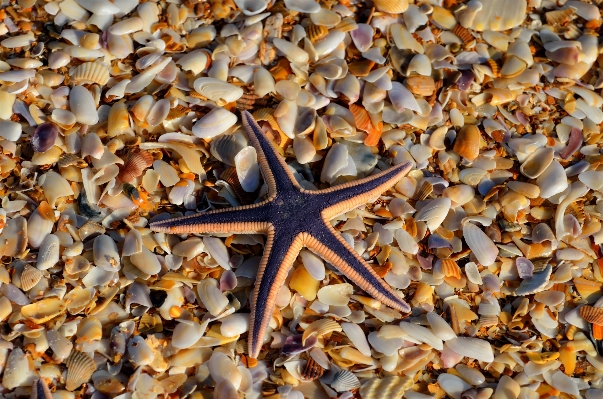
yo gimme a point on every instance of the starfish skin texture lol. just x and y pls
(294, 218)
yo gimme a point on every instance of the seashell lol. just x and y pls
(388, 387)
(512, 67)
(212, 298)
(105, 253)
(312, 370)
(525, 268)
(91, 72)
(421, 85)
(391, 6)
(495, 18)
(44, 310)
(217, 90)
(553, 180)
(537, 162)
(146, 261)
(291, 51)
(316, 32)
(434, 213)
(216, 122)
(80, 367)
(319, 328)
(592, 314)
(559, 17)
(10, 130)
(537, 283)
(235, 324)
(186, 333)
(336, 294)
(473, 348)
(345, 380)
(463, 34)
(467, 142)
(305, 6)
(54, 186)
(247, 167)
(134, 165)
(422, 334)
(440, 327)
(482, 246)
(14, 294)
(18, 371)
(82, 104)
(30, 277)
(44, 137)
(48, 252)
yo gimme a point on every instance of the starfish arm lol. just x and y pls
(274, 169)
(348, 196)
(241, 219)
(331, 246)
(279, 254)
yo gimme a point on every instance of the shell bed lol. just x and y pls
(117, 115)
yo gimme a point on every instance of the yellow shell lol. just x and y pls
(316, 32)
(451, 269)
(80, 367)
(388, 387)
(391, 6)
(91, 72)
(42, 311)
(320, 328)
(559, 17)
(30, 277)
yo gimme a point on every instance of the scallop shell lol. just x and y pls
(230, 176)
(312, 370)
(90, 72)
(450, 268)
(80, 367)
(135, 164)
(345, 380)
(30, 277)
(592, 314)
(388, 387)
(391, 6)
(559, 17)
(320, 328)
(316, 32)
(463, 34)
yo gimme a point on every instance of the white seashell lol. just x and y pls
(82, 104)
(132, 243)
(49, 252)
(187, 333)
(336, 294)
(592, 178)
(325, 17)
(58, 59)
(357, 336)
(345, 380)
(196, 61)
(142, 80)
(105, 253)
(234, 324)
(139, 351)
(167, 174)
(17, 75)
(18, 372)
(552, 181)
(217, 90)
(218, 251)
(362, 37)
(212, 298)
(263, 82)
(482, 246)
(7, 100)
(491, 16)
(473, 348)
(564, 383)
(216, 122)
(313, 264)
(18, 41)
(537, 283)
(126, 26)
(61, 346)
(420, 64)
(402, 98)
(248, 171)
(434, 213)
(471, 375)
(251, 7)
(452, 385)
(99, 7)
(305, 6)
(223, 369)
(159, 112)
(38, 227)
(537, 162)
(10, 131)
(422, 334)
(440, 327)
(54, 186)
(329, 43)
(146, 261)
(406, 242)
(291, 51)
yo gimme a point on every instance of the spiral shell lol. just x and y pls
(91, 72)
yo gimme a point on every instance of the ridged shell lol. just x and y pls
(424, 191)
(316, 32)
(30, 277)
(421, 85)
(450, 268)
(312, 370)
(91, 72)
(217, 90)
(40, 390)
(135, 165)
(320, 328)
(463, 34)
(80, 368)
(388, 387)
(391, 6)
(230, 176)
(592, 314)
(345, 380)
(559, 17)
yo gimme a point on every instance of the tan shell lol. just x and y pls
(592, 314)
(316, 32)
(42, 311)
(451, 269)
(80, 367)
(30, 277)
(135, 165)
(320, 328)
(559, 17)
(467, 142)
(494, 67)
(421, 85)
(388, 387)
(391, 6)
(463, 34)
(424, 191)
(67, 159)
(91, 72)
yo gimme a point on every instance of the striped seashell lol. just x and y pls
(424, 191)
(316, 32)
(347, 25)
(571, 332)
(488, 320)
(388, 387)
(391, 6)
(312, 370)
(320, 328)
(559, 17)
(345, 380)
(592, 314)
(80, 367)
(451, 269)
(135, 164)
(91, 72)
(230, 176)
(463, 34)
(40, 390)
(67, 159)
(267, 115)
(30, 277)
(494, 67)
(576, 208)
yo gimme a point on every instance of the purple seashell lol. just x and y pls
(426, 263)
(465, 80)
(435, 241)
(228, 281)
(574, 143)
(521, 117)
(189, 295)
(44, 137)
(525, 268)
(14, 294)
(293, 345)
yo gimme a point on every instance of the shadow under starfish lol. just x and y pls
(293, 218)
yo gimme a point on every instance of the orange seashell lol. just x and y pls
(421, 85)
(451, 269)
(592, 314)
(374, 135)
(494, 67)
(597, 330)
(135, 164)
(361, 68)
(463, 33)
(467, 142)
(588, 290)
(391, 6)
(46, 211)
(316, 32)
(364, 122)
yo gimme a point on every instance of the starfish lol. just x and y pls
(292, 218)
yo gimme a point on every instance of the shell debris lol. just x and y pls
(117, 114)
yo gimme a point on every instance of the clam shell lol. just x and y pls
(482, 246)
(212, 298)
(388, 387)
(391, 6)
(525, 268)
(48, 253)
(44, 137)
(592, 314)
(473, 348)
(217, 90)
(83, 106)
(434, 213)
(440, 327)
(44, 310)
(30, 277)
(248, 171)
(491, 16)
(422, 334)
(135, 164)
(146, 261)
(537, 162)
(186, 333)
(216, 122)
(467, 142)
(312, 370)
(345, 380)
(80, 367)
(91, 72)
(106, 255)
(336, 294)
(320, 328)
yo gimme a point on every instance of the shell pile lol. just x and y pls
(115, 114)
